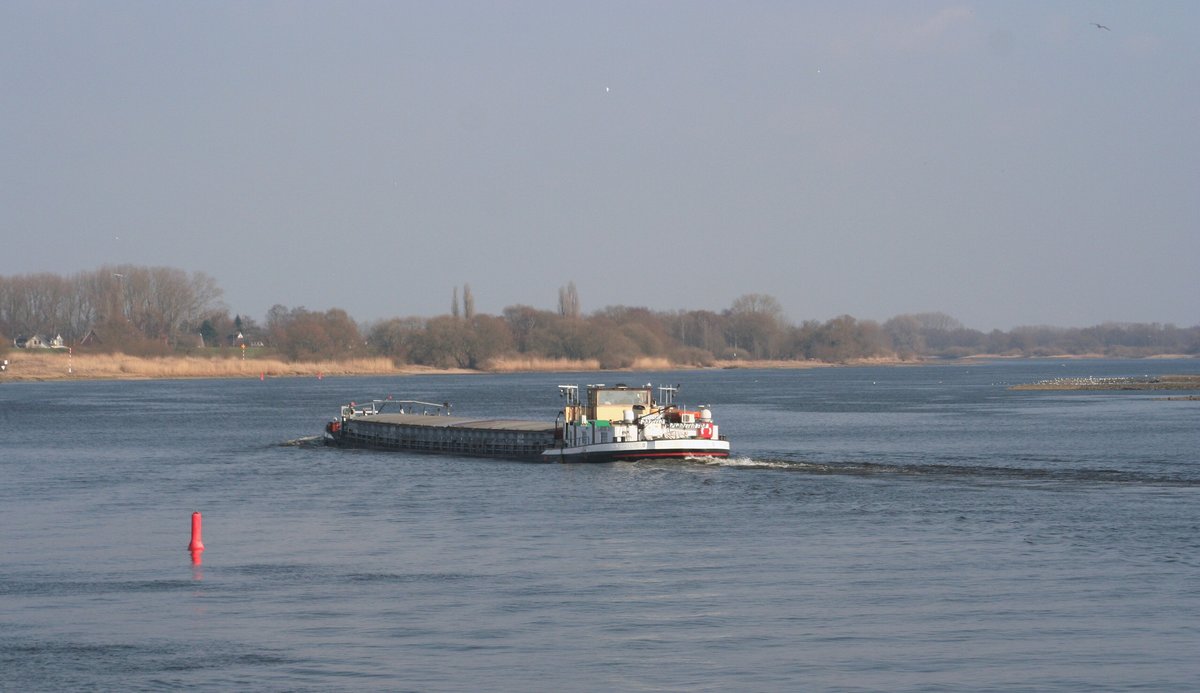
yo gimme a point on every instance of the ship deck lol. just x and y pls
(450, 434)
(463, 422)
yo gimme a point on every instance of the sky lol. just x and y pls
(1007, 163)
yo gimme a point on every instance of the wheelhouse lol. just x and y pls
(604, 403)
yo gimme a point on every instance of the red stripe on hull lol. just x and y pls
(646, 456)
(594, 457)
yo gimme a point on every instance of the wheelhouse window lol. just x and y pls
(626, 398)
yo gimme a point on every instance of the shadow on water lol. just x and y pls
(943, 472)
(931, 471)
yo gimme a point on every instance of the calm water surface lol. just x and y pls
(878, 529)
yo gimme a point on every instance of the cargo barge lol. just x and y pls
(609, 424)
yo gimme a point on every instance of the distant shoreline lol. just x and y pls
(1076, 357)
(43, 367)
(40, 366)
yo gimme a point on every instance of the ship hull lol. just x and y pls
(503, 440)
(446, 435)
(639, 450)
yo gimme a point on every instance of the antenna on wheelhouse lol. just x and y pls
(571, 392)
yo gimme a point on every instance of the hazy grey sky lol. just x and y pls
(1008, 163)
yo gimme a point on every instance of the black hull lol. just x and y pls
(449, 448)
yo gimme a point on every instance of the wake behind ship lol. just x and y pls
(609, 424)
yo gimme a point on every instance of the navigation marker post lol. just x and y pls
(196, 547)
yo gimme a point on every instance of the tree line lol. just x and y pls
(160, 310)
(124, 307)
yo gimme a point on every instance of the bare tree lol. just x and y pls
(468, 302)
(302, 334)
(755, 325)
(905, 333)
(394, 338)
(159, 302)
(568, 301)
(523, 321)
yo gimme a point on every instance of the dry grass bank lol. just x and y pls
(56, 365)
(653, 363)
(48, 365)
(522, 365)
(544, 365)
(878, 361)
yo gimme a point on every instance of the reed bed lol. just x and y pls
(521, 365)
(57, 365)
(753, 363)
(60, 366)
(652, 363)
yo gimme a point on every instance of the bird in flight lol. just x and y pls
(1100, 26)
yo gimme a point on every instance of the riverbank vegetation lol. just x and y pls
(161, 312)
(44, 364)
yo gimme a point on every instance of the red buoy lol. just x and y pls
(197, 544)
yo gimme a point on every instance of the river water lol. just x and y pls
(899, 529)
